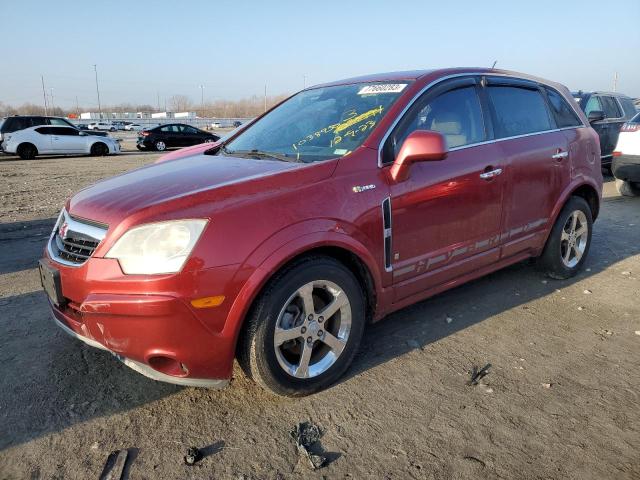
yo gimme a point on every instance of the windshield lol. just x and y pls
(318, 124)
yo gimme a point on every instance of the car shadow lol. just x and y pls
(22, 243)
(52, 382)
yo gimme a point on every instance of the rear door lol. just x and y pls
(42, 139)
(537, 160)
(446, 216)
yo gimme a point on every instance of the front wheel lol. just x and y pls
(568, 244)
(99, 149)
(628, 189)
(305, 328)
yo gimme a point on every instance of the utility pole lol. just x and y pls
(202, 100)
(44, 94)
(615, 81)
(77, 108)
(304, 82)
(95, 69)
(53, 111)
(265, 97)
(158, 101)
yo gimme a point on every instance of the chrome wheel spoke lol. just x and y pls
(306, 294)
(302, 370)
(574, 221)
(339, 301)
(567, 254)
(334, 343)
(581, 231)
(564, 235)
(285, 334)
(577, 253)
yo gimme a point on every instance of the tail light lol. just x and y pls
(617, 154)
(630, 127)
(144, 134)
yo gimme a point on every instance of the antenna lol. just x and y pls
(494, 64)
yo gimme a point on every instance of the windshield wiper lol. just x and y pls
(262, 154)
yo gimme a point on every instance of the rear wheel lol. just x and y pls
(628, 189)
(305, 328)
(160, 145)
(568, 244)
(27, 151)
(99, 149)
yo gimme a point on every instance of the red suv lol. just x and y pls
(342, 204)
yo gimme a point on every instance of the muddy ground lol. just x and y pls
(562, 399)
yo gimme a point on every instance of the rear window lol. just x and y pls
(519, 111)
(564, 115)
(611, 108)
(635, 119)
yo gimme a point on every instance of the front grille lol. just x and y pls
(73, 241)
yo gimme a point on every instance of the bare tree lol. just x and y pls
(180, 103)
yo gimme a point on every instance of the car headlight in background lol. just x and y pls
(157, 247)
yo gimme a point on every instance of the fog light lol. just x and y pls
(168, 366)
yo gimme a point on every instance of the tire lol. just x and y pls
(160, 146)
(99, 149)
(27, 151)
(112, 129)
(331, 343)
(566, 248)
(628, 189)
(209, 140)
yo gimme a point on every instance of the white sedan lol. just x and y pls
(102, 126)
(133, 127)
(54, 140)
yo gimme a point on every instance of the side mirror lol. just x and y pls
(595, 116)
(419, 146)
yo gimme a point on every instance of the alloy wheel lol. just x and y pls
(312, 329)
(574, 238)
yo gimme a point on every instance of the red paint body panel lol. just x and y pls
(449, 226)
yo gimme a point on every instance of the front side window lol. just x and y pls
(519, 111)
(610, 106)
(190, 130)
(318, 124)
(456, 114)
(563, 113)
(67, 131)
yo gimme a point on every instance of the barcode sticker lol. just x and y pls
(383, 88)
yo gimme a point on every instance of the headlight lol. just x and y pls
(157, 247)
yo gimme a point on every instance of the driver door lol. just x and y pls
(447, 216)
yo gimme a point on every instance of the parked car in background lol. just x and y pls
(215, 125)
(20, 122)
(173, 135)
(626, 158)
(346, 202)
(82, 126)
(606, 112)
(133, 127)
(237, 123)
(102, 126)
(54, 140)
(120, 125)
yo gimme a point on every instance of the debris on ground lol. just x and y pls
(587, 292)
(413, 344)
(546, 385)
(448, 319)
(114, 466)
(637, 332)
(305, 435)
(477, 375)
(626, 273)
(580, 308)
(193, 455)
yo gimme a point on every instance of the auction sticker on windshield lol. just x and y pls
(384, 88)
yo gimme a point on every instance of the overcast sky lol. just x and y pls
(145, 48)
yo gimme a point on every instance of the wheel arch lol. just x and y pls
(590, 194)
(347, 251)
(24, 144)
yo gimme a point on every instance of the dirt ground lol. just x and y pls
(561, 399)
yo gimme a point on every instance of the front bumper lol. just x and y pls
(148, 322)
(626, 167)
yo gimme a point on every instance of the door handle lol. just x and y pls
(560, 155)
(490, 174)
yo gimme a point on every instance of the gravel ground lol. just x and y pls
(560, 400)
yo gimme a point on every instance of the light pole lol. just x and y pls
(265, 97)
(202, 100)
(44, 94)
(95, 69)
(53, 112)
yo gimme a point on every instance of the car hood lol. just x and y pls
(112, 200)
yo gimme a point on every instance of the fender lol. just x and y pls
(280, 256)
(566, 193)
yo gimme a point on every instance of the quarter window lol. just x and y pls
(519, 111)
(593, 105)
(563, 113)
(611, 109)
(455, 114)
